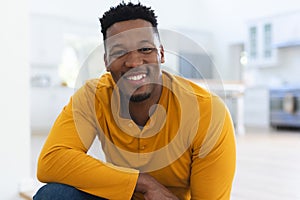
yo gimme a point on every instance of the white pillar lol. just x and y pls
(14, 99)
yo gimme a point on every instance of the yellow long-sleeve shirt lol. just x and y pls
(187, 144)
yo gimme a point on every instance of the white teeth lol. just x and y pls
(136, 77)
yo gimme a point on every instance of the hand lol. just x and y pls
(152, 189)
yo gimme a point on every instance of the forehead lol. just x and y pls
(130, 32)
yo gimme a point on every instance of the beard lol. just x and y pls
(139, 97)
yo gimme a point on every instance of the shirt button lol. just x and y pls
(142, 147)
(130, 125)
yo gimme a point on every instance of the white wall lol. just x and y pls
(14, 106)
(170, 13)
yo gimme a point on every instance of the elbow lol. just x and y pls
(47, 167)
(42, 172)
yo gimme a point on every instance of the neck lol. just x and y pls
(141, 111)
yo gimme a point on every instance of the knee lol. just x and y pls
(56, 191)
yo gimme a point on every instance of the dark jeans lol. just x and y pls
(57, 191)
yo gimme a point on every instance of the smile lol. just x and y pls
(136, 77)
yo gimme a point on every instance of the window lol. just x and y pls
(267, 40)
(253, 42)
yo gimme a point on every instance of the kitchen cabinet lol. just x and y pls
(256, 109)
(259, 43)
(287, 30)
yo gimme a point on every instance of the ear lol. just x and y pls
(106, 62)
(162, 54)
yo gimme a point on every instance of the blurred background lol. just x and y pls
(251, 47)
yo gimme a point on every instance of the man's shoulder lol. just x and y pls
(96, 87)
(186, 86)
(105, 81)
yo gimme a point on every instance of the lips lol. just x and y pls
(136, 78)
(137, 74)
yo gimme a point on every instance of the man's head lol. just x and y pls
(124, 12)
(133, 52)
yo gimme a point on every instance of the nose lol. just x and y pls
(133, 59)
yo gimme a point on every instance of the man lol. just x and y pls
(163, 136)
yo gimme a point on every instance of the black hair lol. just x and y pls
(124, 12)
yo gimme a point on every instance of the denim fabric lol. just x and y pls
(57, 191)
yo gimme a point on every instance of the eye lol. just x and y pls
(146, 50)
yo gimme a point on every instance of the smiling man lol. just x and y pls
(163, 136)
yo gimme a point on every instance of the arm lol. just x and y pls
(63, 158)
(214, 158)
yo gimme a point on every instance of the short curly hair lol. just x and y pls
(124, 12)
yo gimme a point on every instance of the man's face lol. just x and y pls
(133, 57)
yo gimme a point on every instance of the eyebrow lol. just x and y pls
(120, 45)
(116, 46)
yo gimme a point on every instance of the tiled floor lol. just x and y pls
(268, 164)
